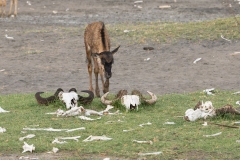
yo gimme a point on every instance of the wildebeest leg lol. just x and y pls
(15, 5)
(96, 72)
(90, 70)
(10, 10)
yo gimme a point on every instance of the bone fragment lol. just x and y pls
(225, 38)
(97, 138)
(213, 135)
(209, 91)
(151, 153)
(128, 130)
(198, 59)
(164, 6)
(54, 130)
(144, 124)
(28, 136)
(138, 1)
(11, 38)
(205, 124)
(2, 110)
(87, 118)
(238, 92)
(2, 70)
(70, 138)
(75, 129)
(238, 141)
(150, 142)
(2, 130)
(169, 123)
(26, 147)
(58, 142)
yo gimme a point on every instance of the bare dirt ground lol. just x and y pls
(42, 57)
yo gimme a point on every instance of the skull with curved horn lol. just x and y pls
(129, 101)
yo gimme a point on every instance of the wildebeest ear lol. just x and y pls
(115, 50)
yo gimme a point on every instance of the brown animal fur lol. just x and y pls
(97, 45)
(3, 4)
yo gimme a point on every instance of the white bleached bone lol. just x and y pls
(74, 111)
(11, 38)
(2, 110)
(69, 98)
(28, 136)
(130, 100)
(238, 92)
(87, 118)
(238, 102)
(144, 124)
(193, 115)
(97, 138)
(75, 129)
(54, 150)
(128, 130)
(169, 123)
(58, 142)
(150, 153)
(89, 112)
(2, 130)
(138, 2)
(28, 148)
(2, 70)
(205, 124)
(148, 142)
(213, 135)
(70, 138)
(225, 38)
(209, 91)
(204, 110)
(198, 59)
(53, 130)
(238, 141)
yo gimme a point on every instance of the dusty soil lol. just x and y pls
(42, 57)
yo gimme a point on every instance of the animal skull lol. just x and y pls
(129, 101)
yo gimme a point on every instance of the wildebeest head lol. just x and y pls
(107, 61)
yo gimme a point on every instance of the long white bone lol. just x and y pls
(213, 135)
(28, 136)
(54, 130)
(150, 142)
(87, 118)
(144, 124)
(150, 153)
(70, 138)
(97, 138)
(2, 110)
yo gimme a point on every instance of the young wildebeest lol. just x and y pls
(97, 44)
(3, 6)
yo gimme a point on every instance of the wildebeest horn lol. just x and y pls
(153, 99)
(105, 101)
(86, 100)
(46, 101)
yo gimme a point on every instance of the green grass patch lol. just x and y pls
(162, 32)
(182, 140)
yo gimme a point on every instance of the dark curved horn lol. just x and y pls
(46, 101)
(153, 99)
(86, 100)
(73, 89)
